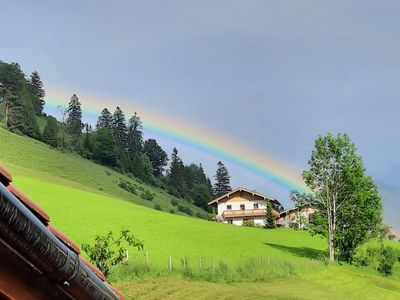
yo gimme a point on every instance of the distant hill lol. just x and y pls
(391, 203)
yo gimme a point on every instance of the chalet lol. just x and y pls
(241, 204)
(37, 261)
(298, 217)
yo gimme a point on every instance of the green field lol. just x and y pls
(286, 262)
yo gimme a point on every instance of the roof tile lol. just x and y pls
(63, 238)
(32, 206)
(5, 176)
(117, 292)
(93, 268)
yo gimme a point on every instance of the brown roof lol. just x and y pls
(43, 217)
(240, 189)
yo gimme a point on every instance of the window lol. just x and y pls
(255, 205)
(241, 206)
(229, 207)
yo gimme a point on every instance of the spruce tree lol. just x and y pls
(222, 181)
(38, 92)
(50, 133)
(158, 157)
(135, 140)
(176, 175)
(120, 134)
(74, 119)
(105, 119)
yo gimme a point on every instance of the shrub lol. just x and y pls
(174, 202)
(386, 261)
(171, 211)
(127, 186)
(146, 195)
(185, 209)
(199, 215)
(157, 207)
(249, 223)
(107, 250)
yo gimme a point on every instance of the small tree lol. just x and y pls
(270, 221)
(107, 250)
(387, 259)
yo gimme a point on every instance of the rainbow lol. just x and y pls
(159, 124)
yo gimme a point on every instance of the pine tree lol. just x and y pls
(270, 220)
(105, 120)
(120, 134)
(87, 142)
(74, 119)
(222, 181)
(176, 175)
(135, 139)
(104, 148)
(158, 157)
(38, 92)
(50, 133)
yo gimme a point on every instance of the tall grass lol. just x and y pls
(254, 269)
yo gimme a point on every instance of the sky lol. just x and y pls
(269, 75)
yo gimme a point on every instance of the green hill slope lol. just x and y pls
(31, 158)
(67, 187)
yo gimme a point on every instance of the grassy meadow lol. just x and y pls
(236, 262)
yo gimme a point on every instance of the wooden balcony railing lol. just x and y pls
(244, 213)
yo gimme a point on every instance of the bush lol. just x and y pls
(171, 211)
(249, 223)
(185, 209)
(199, 215)
(107, 250)
(386, 261)
(146, 195)
(127, 186)
(157, 207)
(174, 202)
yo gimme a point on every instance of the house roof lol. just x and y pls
(240, 189)
(284, 213)
(28, 237)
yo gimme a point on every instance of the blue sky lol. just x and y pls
(272, 74)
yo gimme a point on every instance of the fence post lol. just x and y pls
(200, 262)
(184, 262)
(147, 258)
(170, 263)
(214, 266)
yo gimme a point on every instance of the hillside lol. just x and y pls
(280, 264)
(31, 158)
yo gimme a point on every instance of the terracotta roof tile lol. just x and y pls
(117, 292)
(93, 268)
(5, 176)
(32, 206)
(63, 238)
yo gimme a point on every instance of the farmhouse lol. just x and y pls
(241, 204)
(298, 217)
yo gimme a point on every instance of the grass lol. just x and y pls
(31, 158)
(237, 262)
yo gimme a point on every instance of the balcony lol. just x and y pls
(244, 213)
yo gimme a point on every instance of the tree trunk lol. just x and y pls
(331, 248)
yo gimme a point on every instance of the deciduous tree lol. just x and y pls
(348, 199)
